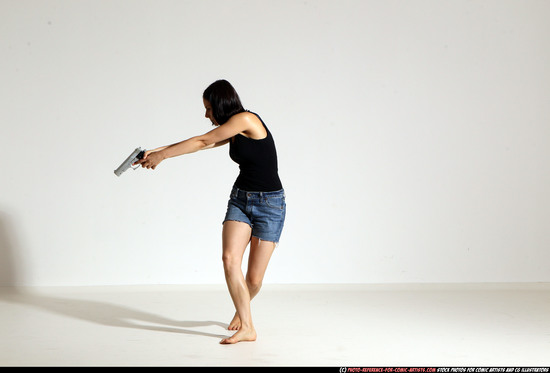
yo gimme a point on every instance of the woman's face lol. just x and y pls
(208, 113)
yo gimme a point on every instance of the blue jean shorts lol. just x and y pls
(264, 211)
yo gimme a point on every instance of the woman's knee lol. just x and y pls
(254, 281)
(231, 262)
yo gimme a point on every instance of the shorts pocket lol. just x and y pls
(276, 202)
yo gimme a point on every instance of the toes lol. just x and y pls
(228, 341)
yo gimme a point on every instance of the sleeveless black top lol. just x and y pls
(257, 161)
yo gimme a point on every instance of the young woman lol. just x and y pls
(256, 209)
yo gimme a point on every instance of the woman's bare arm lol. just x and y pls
(219, 136)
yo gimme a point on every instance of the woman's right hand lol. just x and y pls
(151, 159)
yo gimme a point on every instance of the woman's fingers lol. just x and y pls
(150, 160)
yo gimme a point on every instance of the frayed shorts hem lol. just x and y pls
(259, 236)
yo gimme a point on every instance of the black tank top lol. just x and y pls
(257, 161)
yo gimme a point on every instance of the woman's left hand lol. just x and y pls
(150, 160)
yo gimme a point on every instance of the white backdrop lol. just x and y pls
(413, 138)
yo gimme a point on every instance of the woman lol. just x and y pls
(256, 209)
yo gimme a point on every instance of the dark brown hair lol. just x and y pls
(224, 100)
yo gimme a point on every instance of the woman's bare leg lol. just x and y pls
(235, 238)
(258, 259)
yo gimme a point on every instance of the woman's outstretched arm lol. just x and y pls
(217, 137)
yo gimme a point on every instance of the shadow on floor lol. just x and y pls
(106, 313)
(92, 311)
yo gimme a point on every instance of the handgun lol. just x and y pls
(134, 157)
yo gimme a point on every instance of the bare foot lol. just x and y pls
(235, 323)
(241, 336)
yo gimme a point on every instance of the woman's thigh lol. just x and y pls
(258, 258)
(235, 239)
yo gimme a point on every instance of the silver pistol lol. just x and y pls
(134, 157)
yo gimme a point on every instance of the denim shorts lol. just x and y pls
(264, 211)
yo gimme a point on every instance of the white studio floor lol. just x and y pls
(297, 325)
